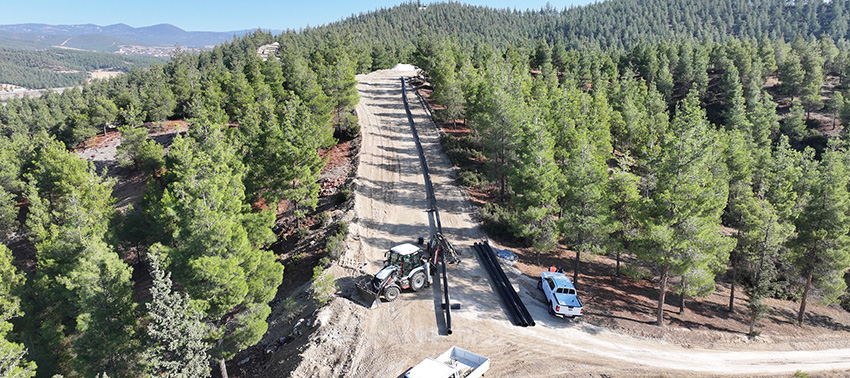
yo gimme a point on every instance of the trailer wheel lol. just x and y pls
(391, 293)
(417, 281)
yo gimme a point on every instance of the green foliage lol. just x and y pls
(821, 245)
(501, 220)
(323, 218)
(290, 309)
(175, 330)
(586, 222)
(302, 232)
(324, 286)
(210, 252)
(136, 149)
(335, 245)
(469, 179)
(345, 193)
(13, 363)
(54, 68)
(681, 226)
(79, 276)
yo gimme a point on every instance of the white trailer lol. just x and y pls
(453, 363)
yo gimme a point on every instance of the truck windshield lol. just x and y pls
(563, 290)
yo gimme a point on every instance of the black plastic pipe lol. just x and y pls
(500, 287)
(511, 292)
(432, 202)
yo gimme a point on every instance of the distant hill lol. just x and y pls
(45, 56)
(610, 24)
(109, 38)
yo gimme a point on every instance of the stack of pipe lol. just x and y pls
(518, 312)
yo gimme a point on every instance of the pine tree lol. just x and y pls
(792, 75)
(624, 199)
(681, 225)
(175, 331)
(740, 166)
(836, 104)
(211, 251)
(13, 361)
(79, 276)
(822, 244)
(496, 114)
(794, 125)
(156, 96)
(304, 83)
(536, 180)
(585, 221)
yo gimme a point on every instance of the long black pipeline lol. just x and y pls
(511, 292)
(500, 287)
(429, 191)
(429, 187)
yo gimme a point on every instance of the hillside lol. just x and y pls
(685, 166)
(40, 56)
(612, 24)
(80, 36)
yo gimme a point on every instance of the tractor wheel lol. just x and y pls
(551, 310)
(540, 284)
(391, 293)
(417, 281)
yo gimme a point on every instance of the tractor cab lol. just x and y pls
(406, 257)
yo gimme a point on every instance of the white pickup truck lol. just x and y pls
(560, 295)
(453, 363)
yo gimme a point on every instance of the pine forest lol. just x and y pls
(693, 142)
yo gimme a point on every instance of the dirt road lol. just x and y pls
(384, 342)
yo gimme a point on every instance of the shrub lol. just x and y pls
(151, 156)
(349, 126)
(499, 220)
(324, 286)
(344, 194)
(470, 142)
(449, 142)
(335, 245)
(323, 218)
(325, 261)
(302, 232)
(469, 178)
(290, 310)
(635, 272)
(341, 228)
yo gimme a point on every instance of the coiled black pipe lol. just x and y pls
(432, 202)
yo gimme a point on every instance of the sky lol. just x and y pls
(217, 15)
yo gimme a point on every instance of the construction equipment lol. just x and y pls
(407, 267)
(439, 244)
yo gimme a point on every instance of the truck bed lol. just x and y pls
(453, 363)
